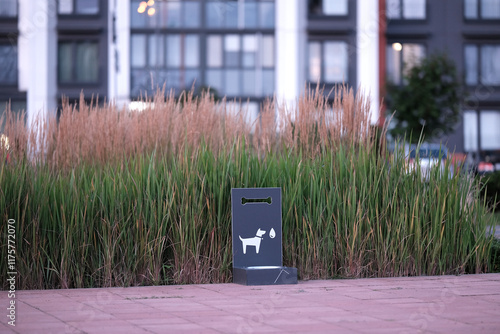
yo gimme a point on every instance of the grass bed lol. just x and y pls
(120, 199)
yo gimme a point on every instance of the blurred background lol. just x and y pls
(251, 50)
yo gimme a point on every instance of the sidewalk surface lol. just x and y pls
(444, 304)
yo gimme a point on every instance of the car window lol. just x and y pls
(427, 154)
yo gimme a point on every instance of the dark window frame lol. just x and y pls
(75, 14)
(479, 18)
(350, 62)
(7, 41)
(401, 60)
(11, 17)
(403, 19)
(74, 41)
(182, 68)
(240, 66)
(318, 13)
(478, 45)
(202, 31)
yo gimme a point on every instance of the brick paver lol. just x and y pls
(443, 304)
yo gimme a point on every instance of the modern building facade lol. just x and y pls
(122, 50)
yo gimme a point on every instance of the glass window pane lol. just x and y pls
(87, 6)
(393, 59)
(232, 43)
(412, 55)
(335, 62)
(214, 80)
(231, 14)
(249, 83)
(335, 7)
(156, 50)
(232, 48)
(490, 9)
(191, 51)
(8, 8)
(138, 50)
(414, 9)
(267, 14)
(471, 68)
(490, 65)
(470, 8)
(87, 64)
(268, 82)
(393, 9)
(490, 123)
(191, 78)
(268, 51)
(314, 61)
(173, 79)
(65, 62)
(214, 51)
(249, 50)
(214, 14)
(191, 14)
(173, 51)
(470, 131)
(8, 59)
(159, 78)
(137, 19)
(65, 6)
(232, 82)
(250, 13)
(172, 14)
(140, 82)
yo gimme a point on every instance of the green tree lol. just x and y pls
(428, 103)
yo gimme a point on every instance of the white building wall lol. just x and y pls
(291, 21)
(367, 44)
(38, 56)
(119, 52)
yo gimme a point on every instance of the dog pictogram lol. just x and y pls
(255, 241)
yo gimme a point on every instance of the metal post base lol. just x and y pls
(265, 275)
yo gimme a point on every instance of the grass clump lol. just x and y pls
(119, 198)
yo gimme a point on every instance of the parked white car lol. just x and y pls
(425, 156)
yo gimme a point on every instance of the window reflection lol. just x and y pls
(328, 61)
(481, 64)
(241, 64)
(401, 58)
(235, 63)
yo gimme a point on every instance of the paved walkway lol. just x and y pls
(445, 304)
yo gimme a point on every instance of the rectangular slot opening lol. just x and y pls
(267, 200)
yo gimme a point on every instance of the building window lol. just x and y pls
(489, 123)
(8, 8)
(8, 59)
(470, 131)
(481, 65)
(406, 9)
(172, 60)
(166, 14)
(240, 65)
(482, 9)
(78, 7)
(78, 62)
(239, 14)
(329, 7)
(328, 61)
(401, 58)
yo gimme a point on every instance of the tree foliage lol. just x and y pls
(428, 103)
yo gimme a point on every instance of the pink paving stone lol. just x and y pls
(399, 305)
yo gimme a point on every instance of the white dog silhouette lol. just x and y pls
(255, 241)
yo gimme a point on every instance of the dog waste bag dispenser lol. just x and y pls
(257, 242)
